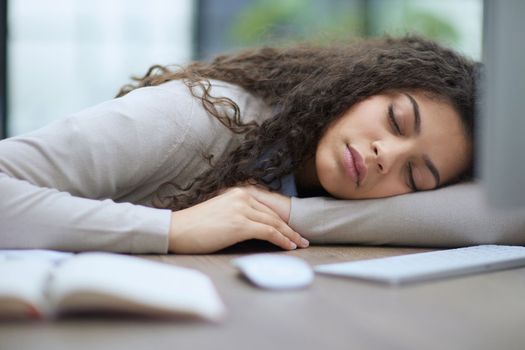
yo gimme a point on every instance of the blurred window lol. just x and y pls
(228, 25)
(65, 55)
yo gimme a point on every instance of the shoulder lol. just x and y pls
(252, 108)
(201, 135)
(204, 131)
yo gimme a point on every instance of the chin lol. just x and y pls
(345, 196)
(331, 189)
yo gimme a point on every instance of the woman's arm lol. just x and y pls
(60, 184)
(457, 215)
(68, 186)
(452, 216)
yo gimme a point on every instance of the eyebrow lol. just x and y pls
(417, 130)
(417, 116)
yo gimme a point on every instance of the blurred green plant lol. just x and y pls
(281, 22)
(424, 22)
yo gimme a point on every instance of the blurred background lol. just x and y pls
(60, 56)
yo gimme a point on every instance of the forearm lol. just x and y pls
(34, 217)
(452, 216)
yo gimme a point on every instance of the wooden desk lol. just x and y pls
(485, 311)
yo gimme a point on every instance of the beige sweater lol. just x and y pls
(86, 183)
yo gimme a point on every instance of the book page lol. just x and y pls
(47, 255)
(22, 284)
(93, 282)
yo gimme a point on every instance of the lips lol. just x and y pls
(354, 165)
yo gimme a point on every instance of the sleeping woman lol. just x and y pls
(197, 158)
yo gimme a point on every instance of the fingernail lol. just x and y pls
(304, 243)
(293, 245)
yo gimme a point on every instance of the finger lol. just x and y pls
(258, 205)
(265, 215)
(276, 221)
(250, 206)
(279, 203)
(271, 234)
(246, 196)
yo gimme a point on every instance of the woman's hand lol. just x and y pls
(236, 215)
(279, 203)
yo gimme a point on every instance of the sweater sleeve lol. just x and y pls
(456, 215)
(60, 185)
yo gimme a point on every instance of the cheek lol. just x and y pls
(381, 187)
(373, 128)
(324, 163)
(454, 166)
(328, 171)
(324, 154)
(387, 187)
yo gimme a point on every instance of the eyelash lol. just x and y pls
(397, 129)
(392, 120)
(411, 182)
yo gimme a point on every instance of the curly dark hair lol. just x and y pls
(309, 87)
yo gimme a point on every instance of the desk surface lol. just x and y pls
(484, 311)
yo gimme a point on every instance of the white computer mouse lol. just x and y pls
(275, 271)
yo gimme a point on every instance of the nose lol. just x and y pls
(387, 155)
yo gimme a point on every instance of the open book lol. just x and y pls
(41, 285)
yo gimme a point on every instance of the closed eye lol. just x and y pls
(392, 120)
(411, 182)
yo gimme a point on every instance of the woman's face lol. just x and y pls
(391, 144)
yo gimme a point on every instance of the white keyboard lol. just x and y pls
(431, 265)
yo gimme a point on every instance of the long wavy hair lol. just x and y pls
(308, 87)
